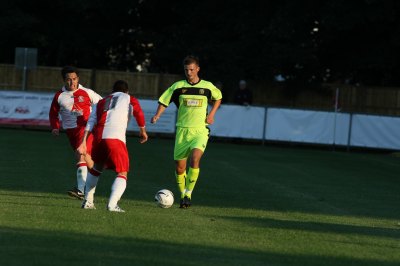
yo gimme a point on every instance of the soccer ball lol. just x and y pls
(164, 198)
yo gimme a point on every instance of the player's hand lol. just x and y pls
(143, 137)
(81, 150)
(55, 132)
(154, 119)
(210, 120)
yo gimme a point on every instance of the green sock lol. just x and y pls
(180, 181)
(191, 178)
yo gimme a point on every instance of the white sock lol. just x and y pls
(81, 175)
(90, 189)
(117, 189)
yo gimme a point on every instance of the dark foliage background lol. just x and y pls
(307, 42)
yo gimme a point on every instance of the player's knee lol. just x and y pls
(180, 169)
(122, 173)
(195, 164)
(195, 158)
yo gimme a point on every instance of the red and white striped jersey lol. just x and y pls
(74, 107)
(111, 116)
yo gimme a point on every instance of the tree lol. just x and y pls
(307, 42)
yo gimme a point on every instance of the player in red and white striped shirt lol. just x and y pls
(73, 104)
(109, 120)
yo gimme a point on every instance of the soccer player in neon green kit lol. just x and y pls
(191, 96)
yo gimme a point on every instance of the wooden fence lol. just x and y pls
(358, 99)
(352, 99)
(48, 79)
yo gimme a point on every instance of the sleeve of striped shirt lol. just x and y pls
(137, 112)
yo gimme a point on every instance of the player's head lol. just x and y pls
(120, 86)
(191, 66)
(70, 76)
(68, 70)
(191, 59)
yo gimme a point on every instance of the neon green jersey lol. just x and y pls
(191, 101)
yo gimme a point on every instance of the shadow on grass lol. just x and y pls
(318, 227)
(41, 247)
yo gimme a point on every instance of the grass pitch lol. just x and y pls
(252, 205)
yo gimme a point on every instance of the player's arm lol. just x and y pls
(140, 120)
(210, 116)
(163, 102)
(216, 102)
(82, 149)
(53, 116)
(143, 135)
(94, 97)
(160, 109)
